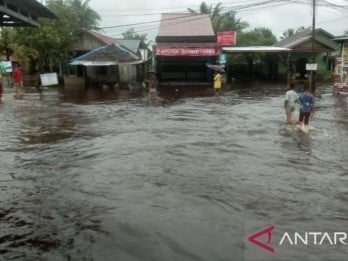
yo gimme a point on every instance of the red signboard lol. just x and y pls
(226, 38)
(185, 51)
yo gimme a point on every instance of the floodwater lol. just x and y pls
(103, 177)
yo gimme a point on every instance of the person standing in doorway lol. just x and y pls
(17, 80)
(307, 109)
(217, 82)
(291, 98)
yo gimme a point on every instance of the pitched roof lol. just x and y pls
(112, 54)
(341, 38)
(103, 38)
(131, 44)
(185, 24)
(300, 38)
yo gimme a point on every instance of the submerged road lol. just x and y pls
(118, 178)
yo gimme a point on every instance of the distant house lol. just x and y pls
(90, 40)
(184, 44)
(301, 44)
(125, 75)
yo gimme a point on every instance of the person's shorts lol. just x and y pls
(152, 92)
(289, 108)
(304, 117)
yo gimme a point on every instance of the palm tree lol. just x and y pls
(303, 29)
(86, 18)
(291, 32)
(286, 34)
(221, 21)
(131, 34)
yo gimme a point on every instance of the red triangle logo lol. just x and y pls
(266, 246)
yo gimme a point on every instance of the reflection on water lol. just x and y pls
(106, 175)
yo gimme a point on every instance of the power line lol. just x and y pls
(156, 21)
(240, 8)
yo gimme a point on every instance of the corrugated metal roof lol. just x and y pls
(112, 54)
(294, 40)
(299, 38)
(256, 49)
(185, 24)
(23, 12)
(131, 44)
(103, 38)
(341, 38)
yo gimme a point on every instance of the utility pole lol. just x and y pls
(313, 50)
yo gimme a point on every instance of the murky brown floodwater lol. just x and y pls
(96, 178)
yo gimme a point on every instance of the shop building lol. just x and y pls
(184, 45)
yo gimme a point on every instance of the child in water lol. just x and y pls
(152, 85)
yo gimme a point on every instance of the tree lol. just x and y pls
(6, 42)
(286, 34)
(290, 32)
(258, 36)
(131, 34)
(50, 44)
(221, 21)
(86, 18)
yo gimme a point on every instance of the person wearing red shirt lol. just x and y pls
(17, 80)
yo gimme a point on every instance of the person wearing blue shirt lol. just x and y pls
(307, 108)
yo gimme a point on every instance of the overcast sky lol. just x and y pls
(143, 15)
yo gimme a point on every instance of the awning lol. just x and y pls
(256, 49)
(187, 49)
(341, 38)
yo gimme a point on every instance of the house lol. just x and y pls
(125, 75)
(184, 44)
(323, 48)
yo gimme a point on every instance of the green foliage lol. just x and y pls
(50, 44)
(86, 18)
(131, 34)
(221, 21)
(258, 36)
(290, 32)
